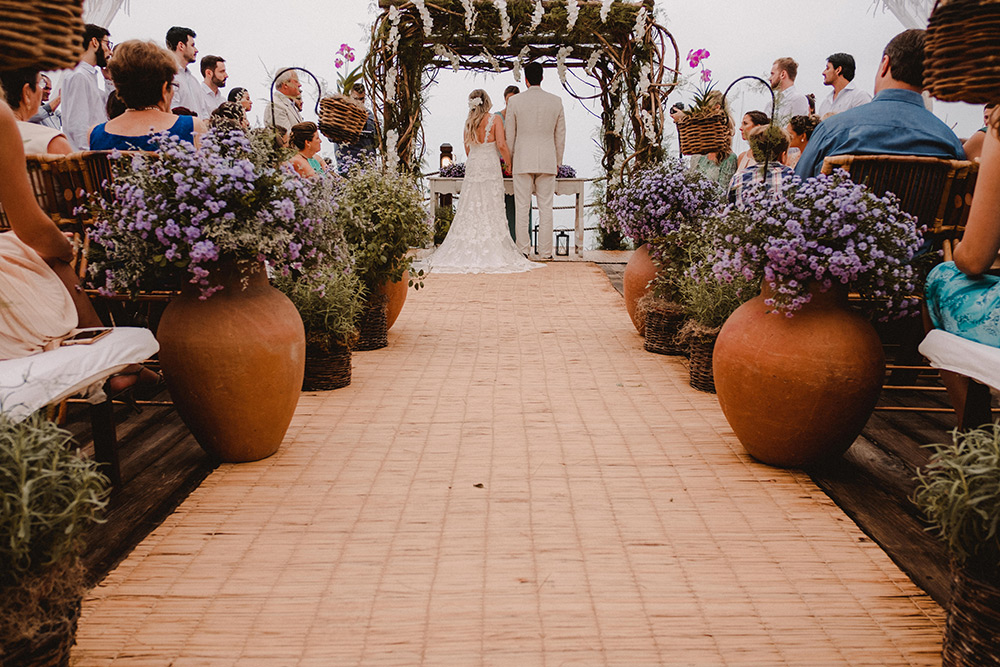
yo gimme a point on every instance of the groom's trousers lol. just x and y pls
(544, 187)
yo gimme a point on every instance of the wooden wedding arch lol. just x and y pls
(609, 50)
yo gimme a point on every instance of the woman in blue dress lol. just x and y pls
(961, 297)
(143, 74)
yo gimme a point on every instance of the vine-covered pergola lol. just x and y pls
(610, 50)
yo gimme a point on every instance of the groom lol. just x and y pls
(536, 134)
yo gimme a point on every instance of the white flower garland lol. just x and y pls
(445, 52)
(561, 55)
(616, 171)
(536, 17)
(595, 55)
(425, 17)
(648, 122)
(470, 15)
(391, 156)
(393, 71)
(622, 111)
(640, 24)
(572, 13)
(642, 88)
(605, 9)
(519, 62)
(506, 32)
(494, 63)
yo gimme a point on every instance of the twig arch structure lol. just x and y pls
(608, 50)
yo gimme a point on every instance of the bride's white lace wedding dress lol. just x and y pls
(479, 240)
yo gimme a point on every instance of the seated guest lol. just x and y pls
(751, 119)
(961, 298)
(48, 114)
(974, 145)
(770, 146)
(241, 95)
(800, 129)
(894, 123)
(229, 115)
(364, 148)
(115, 107)
(24, 90)
(144, 78)
(305, 137)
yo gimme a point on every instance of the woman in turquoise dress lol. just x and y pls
(961, 297)
(307, 162)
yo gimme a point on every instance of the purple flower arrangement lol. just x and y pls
(565, 171)
(171, 218)
(825, 231)
(457, 170)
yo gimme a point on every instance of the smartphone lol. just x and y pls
(87, 336)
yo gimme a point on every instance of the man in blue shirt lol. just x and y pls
(894, 123)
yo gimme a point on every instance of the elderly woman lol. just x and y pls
(307, 162)
(143, 74)
(24, 89)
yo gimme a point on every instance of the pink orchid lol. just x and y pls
(706, 75)
(338, 62)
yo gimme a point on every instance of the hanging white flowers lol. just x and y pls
(393, 72)
(425, 17)
(640, 24)
(470, 15)
(595, 56)
(561, 55)
(505, 30)
(648, 122)
(519, 62)
(444, 52)
(642, 89)
(605, 10)
(536, 17)
(616, 171)
(391, 156)
(572, 13)
(494, 63)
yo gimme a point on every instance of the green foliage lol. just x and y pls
(959, 492)
(609, 236)
(330, 301)
(48, 496)
(383, 215)
(443, 218)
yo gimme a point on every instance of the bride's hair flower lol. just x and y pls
(475, 102)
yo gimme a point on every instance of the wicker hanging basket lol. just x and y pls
(373, 327)
(327, 367)
(704, 134)
(973, 617)
(45, 34)
(961, 56)
(664, 320)
(341, 119)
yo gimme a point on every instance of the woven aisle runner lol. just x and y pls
(512, 481)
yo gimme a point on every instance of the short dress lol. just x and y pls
(967, 307)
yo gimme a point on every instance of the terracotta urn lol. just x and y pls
(798, 390)
(396, 293)
(234, 363)
(638, 272)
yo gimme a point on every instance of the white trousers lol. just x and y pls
(544, 187)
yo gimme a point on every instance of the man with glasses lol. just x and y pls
(85, 92)
(283, 113)
(48, 114)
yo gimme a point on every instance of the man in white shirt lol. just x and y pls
(790, 102)
(84, 92)
(283, 113)
(213, 69)
(839, 73)
(180, 43)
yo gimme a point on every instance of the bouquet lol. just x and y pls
(174, 216)
(828, 231)
(346, 78)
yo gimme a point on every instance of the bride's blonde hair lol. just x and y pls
(479, 106)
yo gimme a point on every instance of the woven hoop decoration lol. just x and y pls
(44, 34)
(374, 324)
(961, 56)
(974, 618)
(663, 321)
(50, 646)
(702, 377)
(341, 119)
(703, 134)
(327, 369)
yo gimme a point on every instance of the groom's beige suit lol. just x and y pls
(536, 134)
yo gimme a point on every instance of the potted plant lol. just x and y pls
(204, 221)
(959, 492)
(659, 208)
(48, 496)
(341, 117)
(329, 302)
(704, 127)
(383, 216)
(797, 372)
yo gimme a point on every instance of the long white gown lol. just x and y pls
(479, 240)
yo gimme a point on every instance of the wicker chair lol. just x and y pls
(939, 193)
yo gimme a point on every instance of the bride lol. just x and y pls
(479, 240)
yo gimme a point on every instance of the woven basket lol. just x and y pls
(961, 56)
(326, 367)
(50, 646)
(700, 367)
(44, 34)
(374, 327)
(704, 134)
(663, 320)
(341, 119)
(973, 618)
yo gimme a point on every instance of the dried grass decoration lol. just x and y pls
(341, 118)
(962, 56)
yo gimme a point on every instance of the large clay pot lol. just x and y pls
(635, 284)
(797, 390)
(234, 363)
(396, 293)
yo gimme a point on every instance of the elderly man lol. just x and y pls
(180, 43)
(838, 74)
(894, 123)
(48, 114)
(283, 112)
(790, 102)
(85, 92)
